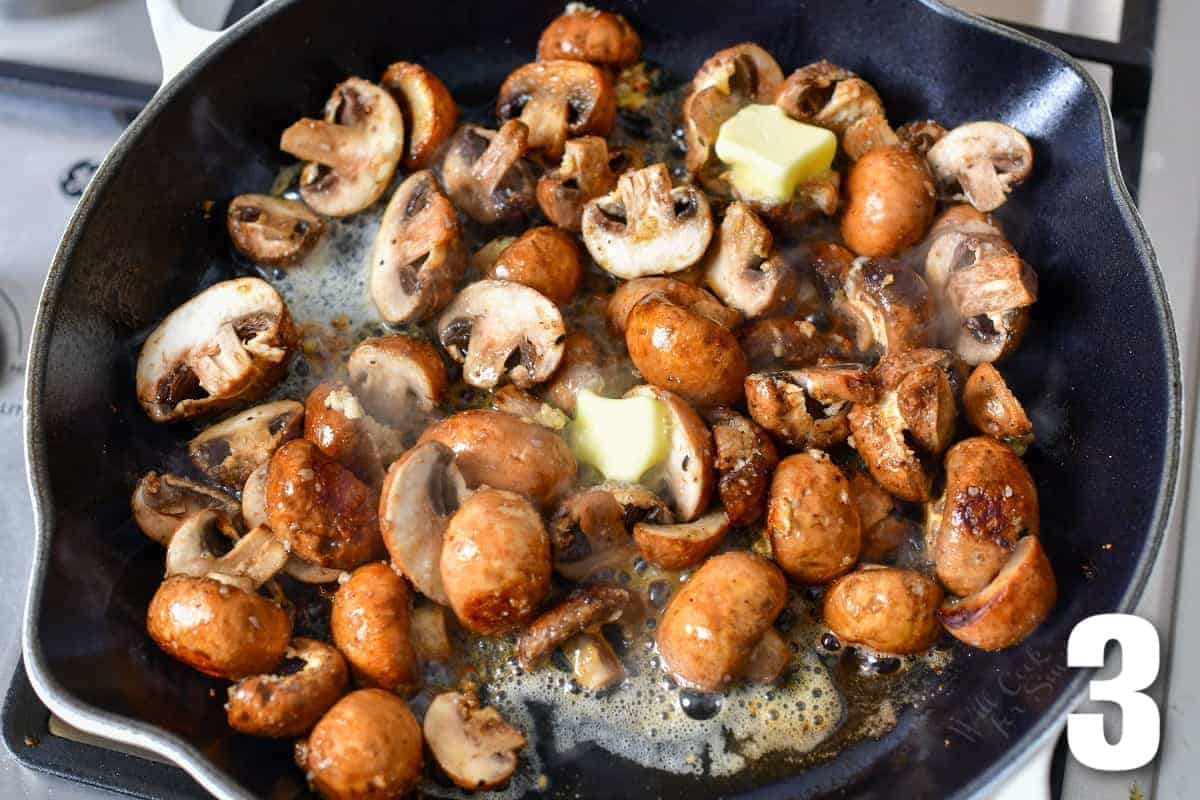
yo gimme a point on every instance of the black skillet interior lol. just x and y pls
(1095, 371)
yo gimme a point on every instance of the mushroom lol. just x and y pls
(890, 202)
(581, 368)
(474, 746)
(430, 638)
(920, 135)
(685, 476)
(506, 452)
(399, 379)
(287, 703)
(981, 162)
(253, 560)
(272, 231)
(588, 170)
(585, 608)
(367, 746)
(683, 545)
(496, 593)
(742, 267)
(227, 345)
(989, 503)
(429, 111)
(768, 659)
(889, 610)
(336, 422)
(884, 530)
(229, 451)
(813, 522)
(521, 403)
(319, 509)
(638, 504)
(369, 622)
(352, 152)
(419, 253)
(809, 407)
(745, 459)
(645, 227)
(500, 329)
(594, 665)
(884, 304)
(582, 33)
(589, 533)
(543, 258)
(558, 98)
(785, 342)
(819, 194)
(486, 174)
(162, 501)
(832, 97)
(1008, 608)
(421, 492)
(630, 293)
(867, 134)
(991, 407)
(254, 497)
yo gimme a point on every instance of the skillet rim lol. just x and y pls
(137, 733)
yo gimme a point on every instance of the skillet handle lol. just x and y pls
(178, 40)
(1032, 782)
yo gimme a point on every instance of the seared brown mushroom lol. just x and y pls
(500, 329)
(630, 293)
(685, 476)
(582, 33)
(743, 269)
(369, 623)
(588, 170)
(427, 107)
(811, 518)
(229, 451)
(745, 459)
(586, 607)
(638, 504)
(543, 258)
(272, 230)
(920, 135)
(991, 407)
(787, 342)
(886, 305)
(337, 423)
(589, 533)
(809, 407)
(284, 705)
(558, 99)
(162, 501)
(474, 746)
(398, 379)
(646, 227)
(887, 609)
(981, 162)
(684, 544)
(352, 152)
(890, 202)
(486, 174)
(884, 530)
(835, 98)
(227, 345)
(581, 367)
(419, 253)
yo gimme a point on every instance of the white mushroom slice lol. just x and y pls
(232, 449)
(646, 227)
(353, 151)
(684, 545)
(420, 494)
(486, 174)
(226, 345)
(741, 268)
(419, 253)
(981, 162)
(254, 497)
(254, 559)
(474, 746)
(398, 379)
(499, 329)
(272, 230)
(686, 476)
(161, 502)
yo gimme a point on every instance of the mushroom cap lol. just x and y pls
(284, 706)
(745, 460)
(230, 450)
(397, 378)
(888, 609)
(694, 298)
(369, 622)
(336, 422)
(588, 34)
(486, 174)
(808, 407)
(890, 202)
(886, 304)
(367, 746)
(742, 268)
(589, 532)
(558, 98)
(685, 544)
(812, 519)
(646, 227)
(981, 162)
(543, 258)
(581, 367)
(506, 452)
(824, 94)
(352, 152)
(686, 475)
(586, 607)
(419, 253)
(491, 324)
(475, 747)
(325, 514)
(161, 502)
(924, 385)
(878, 430)
(421, 492)
(272, 231)
(227, 345)
(588, 170)
(428, 109)
(216, 628)
(991, 407)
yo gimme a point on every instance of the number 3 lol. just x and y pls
(1139, 713)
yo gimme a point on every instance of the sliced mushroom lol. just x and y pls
(272, 230)
(743, 269)
(421, 492)
(809, 407)
(588, 170)
(589, 533)
(828, 95)
(630, 293)
(336, 422)
(227, 345)
(161, 502)
(981, 162)
(885, 304)
(884, 530)
(745, 459)
(682, 545)
(1011, 606)
(474, 746)
(543, 258)
(429, 111)
(352, 152)
(253, 560)
(646, 227)
(486, 174)
(521, 403)
(992, 408)
(887, 609)
(920, 135)
(419, 253)
(500, 329)
(399, 379)
(685, 476)
(287, 703)
(638, 504)
(585, 608)
(581, 367)
(582, 33)
(557, 99)
(813, 522)
(229, 451)
(594, 665)
(788, 342)
(890, 202)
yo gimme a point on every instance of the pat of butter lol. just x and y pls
(621, 438)
(769, 153)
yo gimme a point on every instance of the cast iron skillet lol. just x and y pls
(1098, 371)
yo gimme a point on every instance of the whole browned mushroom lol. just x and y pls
(558, 99)
(588, 170)
(812, 519)
(427, 107)
(287, 703)
(542, 258)
(352, 152)
(686, 476)
(890, 202)
(832, 97)
(981, 162)
(745, 459)
(161, 502)
(419, 253)
(230, 450)
(487, 175)
(582, 33)
(888, 609)
(630, 293)
(809, 407)
(225, 346)
(369, 623)
(742, 267)
(991, 407)
(474, 745)
(272, 231)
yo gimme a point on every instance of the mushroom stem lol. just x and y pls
(505, 149)
(337, 146)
